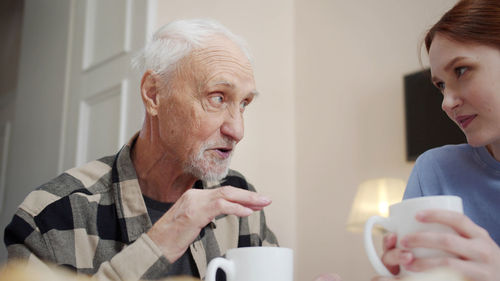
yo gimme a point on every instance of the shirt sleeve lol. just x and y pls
(414, 188)
(133, 261)
(24, 241)
(267, 237)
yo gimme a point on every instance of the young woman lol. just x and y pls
(464, 55)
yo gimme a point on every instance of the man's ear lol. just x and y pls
(150, 92)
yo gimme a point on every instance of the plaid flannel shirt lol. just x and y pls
(93, 219)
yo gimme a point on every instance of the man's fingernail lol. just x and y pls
(265, 199)
(247, 212)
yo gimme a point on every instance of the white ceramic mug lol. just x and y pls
(402, 221)
(254, 264)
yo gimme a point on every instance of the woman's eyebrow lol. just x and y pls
(452, 62)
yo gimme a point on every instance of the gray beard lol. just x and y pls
(207, 168)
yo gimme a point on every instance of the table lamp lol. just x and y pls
(373, 198)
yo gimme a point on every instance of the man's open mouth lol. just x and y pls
(223, 152)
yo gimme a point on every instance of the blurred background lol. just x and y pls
(329, 118)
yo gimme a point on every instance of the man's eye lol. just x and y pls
(216, 100)
(459, 71)
(244, 104)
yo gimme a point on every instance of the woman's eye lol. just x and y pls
(459, 71)
(440, 85)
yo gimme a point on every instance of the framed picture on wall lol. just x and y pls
(427, 125)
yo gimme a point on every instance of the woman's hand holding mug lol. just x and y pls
(431, 232)
(474, 254)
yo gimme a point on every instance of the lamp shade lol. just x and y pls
(374, 198)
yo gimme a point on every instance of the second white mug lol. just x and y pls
(254, 264)
(402, 221)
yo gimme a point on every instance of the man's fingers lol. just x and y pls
(198, 207)
(195, 209)
(222, 206)
(244, 197)
(255, 208)
(236, 201)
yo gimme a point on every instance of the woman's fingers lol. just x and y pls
(384, 278)
(393, 258)
(328, 277)
(389, 241)
(470, 270)
(470, 251)
(476, 249)
(457, 221)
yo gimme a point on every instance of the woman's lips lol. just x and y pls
(465, 120)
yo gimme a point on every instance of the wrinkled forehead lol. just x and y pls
(221, 52)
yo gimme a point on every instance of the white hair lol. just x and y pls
(174, 41)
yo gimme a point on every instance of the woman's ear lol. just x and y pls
(150, 92)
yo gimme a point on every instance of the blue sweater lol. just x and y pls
(462, 170)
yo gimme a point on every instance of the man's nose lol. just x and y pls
(451, 100)
(233, 126)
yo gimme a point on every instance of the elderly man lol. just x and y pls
(166, 203)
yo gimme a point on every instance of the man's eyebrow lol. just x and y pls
(254, 93)
(225, 83)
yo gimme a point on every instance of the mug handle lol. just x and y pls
(370, 249)
(226, 265)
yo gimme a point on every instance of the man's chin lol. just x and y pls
(208, 174)
(213, 176)
(209, 169)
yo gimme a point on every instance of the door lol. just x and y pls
(103, 108)
(76, 98)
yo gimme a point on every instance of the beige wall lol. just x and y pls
(330, 114)
(350, 60)
(266, 156)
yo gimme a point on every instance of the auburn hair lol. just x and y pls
(471, 21)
